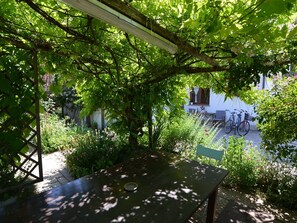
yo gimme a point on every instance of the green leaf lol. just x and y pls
(276, 6)
(292, 33)
(5, 84)
(214, 26)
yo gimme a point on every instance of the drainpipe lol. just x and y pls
(263, 81)
(102, 119)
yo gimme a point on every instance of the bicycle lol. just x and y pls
(234, 122)
(244, 126)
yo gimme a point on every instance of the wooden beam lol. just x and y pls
(129, 11)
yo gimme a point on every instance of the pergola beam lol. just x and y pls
(129, 19)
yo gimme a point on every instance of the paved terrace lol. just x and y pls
(232, 206)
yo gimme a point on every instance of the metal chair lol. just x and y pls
(192, 111)
(210, 153)
(217, 156)
(219, 116)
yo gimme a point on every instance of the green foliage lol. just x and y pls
(6, 174)
(17, 109)
(55, 135)
(184, 133)
(92, 152)
(280, 184)
(134, 80)
(142, 102)
(251, 170)
(228, 42)
(244, 163)
(250, 33)
(277, 116)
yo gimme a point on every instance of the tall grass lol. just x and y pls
(183, 134)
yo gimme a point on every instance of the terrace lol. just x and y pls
(169, 185)
(232, 205)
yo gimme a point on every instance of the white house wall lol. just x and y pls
(96, 117)
(218, 102)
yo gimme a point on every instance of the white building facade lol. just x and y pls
(205, 99)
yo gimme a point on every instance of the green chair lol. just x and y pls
(210, 153)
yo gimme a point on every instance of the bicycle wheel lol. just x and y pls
(228, 126)
(243, 128)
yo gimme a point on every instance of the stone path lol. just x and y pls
(55, 172)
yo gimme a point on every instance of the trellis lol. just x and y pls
(28, 169)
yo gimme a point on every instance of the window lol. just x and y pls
(203, 96)
(199, 96)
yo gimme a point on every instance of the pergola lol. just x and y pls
(130, 20)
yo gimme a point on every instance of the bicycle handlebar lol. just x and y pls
(237, 111)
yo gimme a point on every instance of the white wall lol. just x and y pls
(97, 117)
(218, 102)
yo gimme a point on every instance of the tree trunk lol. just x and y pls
(133, 141)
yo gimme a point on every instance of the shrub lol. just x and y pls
(277, 117)
(248, 169)
(92, 152)
(184, 134)
(244, 163)
(7, 176)
(55, 135)
(279, 182)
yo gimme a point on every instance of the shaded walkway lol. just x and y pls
(55, 172)
(238, 207)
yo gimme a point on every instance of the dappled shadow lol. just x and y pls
(54, 179)
(253, 205)
(238, 212)
(55, 172)
(169, 190)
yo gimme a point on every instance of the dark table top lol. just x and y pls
(170, 189)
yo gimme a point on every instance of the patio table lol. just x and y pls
(170, 189)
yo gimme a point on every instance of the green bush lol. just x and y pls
(249, 169)
(184, 134)
(279, 182)
(277, 117)
(92, 152)
(244, 163)
(55, 135)
(7, 176)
